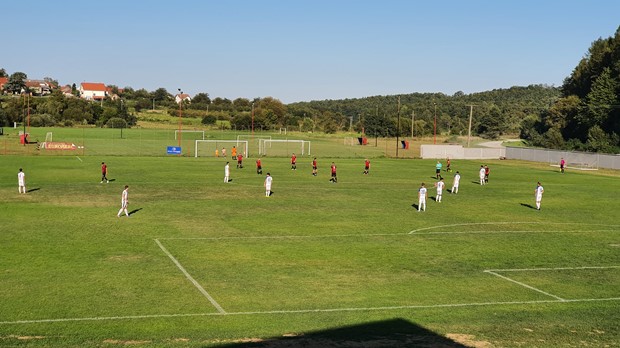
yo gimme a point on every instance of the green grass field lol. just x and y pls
(202, 263)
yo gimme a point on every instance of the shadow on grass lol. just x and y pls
(134, 211)
(387, 333)
(528, 206)
(111, 180)
(33, 189)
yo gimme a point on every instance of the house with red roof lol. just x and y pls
(93, 91)
(182, 97)
(3, 81)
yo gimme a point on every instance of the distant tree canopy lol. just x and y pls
(587, 114)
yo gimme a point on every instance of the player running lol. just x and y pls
(124, 202)
(366, 166)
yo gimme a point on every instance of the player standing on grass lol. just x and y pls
(366, 166)
(21, 181)
(239, 161)
(486, 174)
(234, 153)
(224, 152)
(314, 167)
(104, 173)
(267, 185)
(124, 202)
(440, 185)
(448, 169)
(422, 198)
(438, 170)
(455, 183)
(293, 162)
(562, 164)
(481, 174)
(538, 192)
(227, 172)
(334, 178)
(259, 167)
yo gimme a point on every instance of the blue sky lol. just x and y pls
(301, 50)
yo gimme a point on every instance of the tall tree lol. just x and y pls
(16, 83)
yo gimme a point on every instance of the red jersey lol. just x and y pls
(104, 169)
(333, 169)
(367, 163)
(314, 163)
(239, 157)
(258, 163)
(487, 171)
(293, 159)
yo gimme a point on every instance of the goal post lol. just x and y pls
(176, 133)
(49, 137)
(302, 147)
(205, 148)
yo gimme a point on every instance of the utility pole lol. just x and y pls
(435, 125)
(397, 126)
(471, 111)
(412, 121)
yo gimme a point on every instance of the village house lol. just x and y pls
(93, 91)
(182, 97)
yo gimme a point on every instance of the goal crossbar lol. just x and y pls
(218, 142)
(176, 132)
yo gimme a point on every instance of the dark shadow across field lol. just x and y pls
(527, 205)
(33, 189)
(134, 211)
(388, 333)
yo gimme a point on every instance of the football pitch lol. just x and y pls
(205, 263)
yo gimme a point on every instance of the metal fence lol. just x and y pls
(585, 160)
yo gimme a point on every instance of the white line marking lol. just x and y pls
(549, 269)
(301, 311)
(509, 223)
(509, 232)
(525, 285)
(79, 158)
(287, 237)
(191, 279)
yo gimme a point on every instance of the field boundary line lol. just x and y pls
(525, 285)
(190, 278)
(505, 223)
(549, 269)
(302, 311)
(287, 237)
(509, 232)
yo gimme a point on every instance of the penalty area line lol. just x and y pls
(506, 223)
(191, 279)
(307, 311)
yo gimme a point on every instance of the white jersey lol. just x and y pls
(539, 192)
(21, 178)
(124, 197)
(440, 186)
(227, 170)
(268, 182)
(457, 179)
(481, 173)
(422, 193)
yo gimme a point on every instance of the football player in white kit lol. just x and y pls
(21, 181)
(481, 175)
(455, 183)
(422, 198)
(227, 172)
(538, 193)
(268, 181)
(440, 185)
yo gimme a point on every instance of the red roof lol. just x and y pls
(3, 80)
(90, 86)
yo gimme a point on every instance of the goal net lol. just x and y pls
(49, 137)
(193, 134)
(206, 148)
(349, 141)
(283, 147)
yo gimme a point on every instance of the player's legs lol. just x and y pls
(439, 197)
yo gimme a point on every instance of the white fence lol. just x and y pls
(572, 158)
(459, 152)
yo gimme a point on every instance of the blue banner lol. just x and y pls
(174, 150)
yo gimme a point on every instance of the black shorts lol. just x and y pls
(333, 175)
(437, 171)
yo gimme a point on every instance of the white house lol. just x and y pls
(182, 96)
(93, 91)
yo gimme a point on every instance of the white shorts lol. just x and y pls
(268, 188)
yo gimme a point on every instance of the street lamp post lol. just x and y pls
(180, 115)
(435, 125)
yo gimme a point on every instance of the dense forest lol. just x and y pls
(587, 114)
(582, 114)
